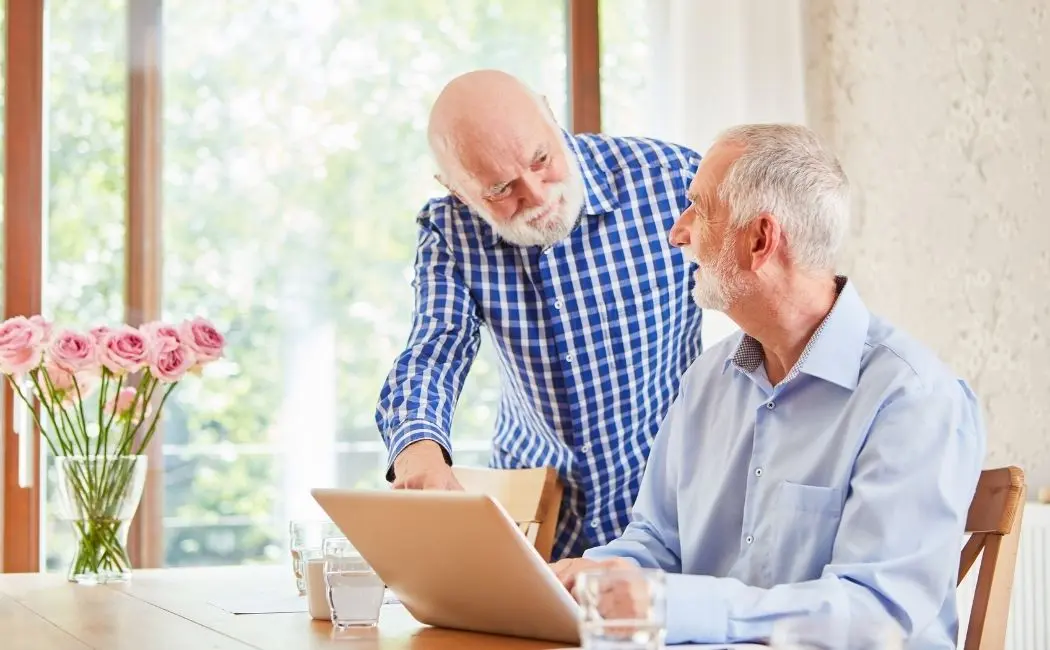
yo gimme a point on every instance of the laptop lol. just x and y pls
(455, 560)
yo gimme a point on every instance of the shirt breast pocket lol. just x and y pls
(805, 521)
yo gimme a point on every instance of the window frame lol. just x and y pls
(24, 195)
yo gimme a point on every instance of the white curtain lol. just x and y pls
(718, 63)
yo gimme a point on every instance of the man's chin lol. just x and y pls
(711, 299)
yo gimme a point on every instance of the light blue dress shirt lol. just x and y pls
(843, 490)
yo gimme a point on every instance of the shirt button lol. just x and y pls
(771, 405)
(749, 539)
(585, 448)
(758, 472)
(594, 523)
(569, 357)
(557, 304)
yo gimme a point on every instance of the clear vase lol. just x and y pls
(99, 495)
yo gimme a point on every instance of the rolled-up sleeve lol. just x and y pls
(418, 400)
(896, 551)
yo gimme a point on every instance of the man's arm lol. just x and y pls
(419, 398)
(897, 550)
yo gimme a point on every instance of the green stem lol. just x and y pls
(104, 433)
(109, 422)
(129, 432)
(65, 416)
(47, 400)
(80, 413)
(101, 403)
(151, 384)
(156, 417)
(36, 417)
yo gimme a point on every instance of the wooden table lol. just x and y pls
(169, 609)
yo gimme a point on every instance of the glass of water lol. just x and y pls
(305, 538)
(621, 609)
(355, 592)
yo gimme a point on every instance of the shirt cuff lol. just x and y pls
(696, 612)
(414, 431)
(608, 552)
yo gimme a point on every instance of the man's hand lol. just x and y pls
(623, 594)
(567, 570)
(422, 466)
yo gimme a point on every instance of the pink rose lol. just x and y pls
(157, 329)
(98, 333)
(122, 403)
(124, 350)
(60, 378)
(21, 345)
(202, 337)
(169, 360)
(44, 325)
(62, 383)
(74, 352)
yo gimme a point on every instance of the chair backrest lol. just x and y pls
(532, 497)
(994, 524)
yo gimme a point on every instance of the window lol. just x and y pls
(626, 68)
(293, 163)
(85, 212)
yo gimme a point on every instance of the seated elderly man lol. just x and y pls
(820, 461)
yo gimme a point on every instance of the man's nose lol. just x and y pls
(532, 191)
(679, 235)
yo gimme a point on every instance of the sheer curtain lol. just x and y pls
(716, 64)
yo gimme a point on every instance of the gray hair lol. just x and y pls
(786, 171)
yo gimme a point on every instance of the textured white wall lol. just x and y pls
(939, 111)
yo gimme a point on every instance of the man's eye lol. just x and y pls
(542, 160)
(499, 193)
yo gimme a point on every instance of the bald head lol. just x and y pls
(481, 118)
(501, 152)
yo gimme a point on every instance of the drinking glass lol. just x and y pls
(355, 592)
(621, 609)
(305, 539)
(825, 630)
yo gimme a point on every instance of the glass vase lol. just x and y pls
(99, 495)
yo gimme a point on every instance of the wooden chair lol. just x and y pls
(994, 524)
(532, 497)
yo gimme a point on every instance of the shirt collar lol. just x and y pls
(834, 351)
(598, 196)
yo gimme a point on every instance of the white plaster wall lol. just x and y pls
(938, 110)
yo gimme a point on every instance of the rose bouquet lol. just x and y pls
(98, 443)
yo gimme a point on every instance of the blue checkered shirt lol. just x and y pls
(592, 333)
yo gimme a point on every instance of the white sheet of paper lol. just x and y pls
(249, 603)
(284, 603)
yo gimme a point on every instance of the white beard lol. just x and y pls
(717, 286)
(564, 203)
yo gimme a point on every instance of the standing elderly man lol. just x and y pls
(558, 245)
(821, 462)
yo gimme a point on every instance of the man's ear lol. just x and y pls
(448, 186)
(547, 103)
(764, 235)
